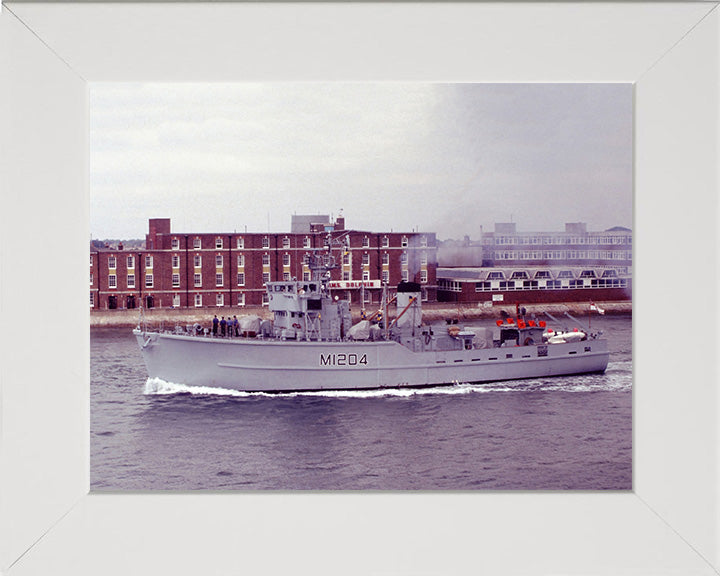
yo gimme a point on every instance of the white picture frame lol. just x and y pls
(49, 523)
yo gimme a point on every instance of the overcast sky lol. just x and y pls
(445, 158)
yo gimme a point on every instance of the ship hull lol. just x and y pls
(257, 365)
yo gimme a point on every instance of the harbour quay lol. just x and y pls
(194, 274)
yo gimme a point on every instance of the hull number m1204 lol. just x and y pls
(343, 360)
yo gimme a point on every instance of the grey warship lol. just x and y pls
(311, 345)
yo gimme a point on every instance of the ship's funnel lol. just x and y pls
(409, 308)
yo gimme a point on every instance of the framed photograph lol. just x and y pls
(51, 55)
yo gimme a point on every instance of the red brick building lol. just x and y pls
(200, 270)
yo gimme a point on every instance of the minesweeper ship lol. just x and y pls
(312, 345)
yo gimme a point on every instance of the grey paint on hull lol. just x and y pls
(269, 365)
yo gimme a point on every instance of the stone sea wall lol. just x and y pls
(434, 312)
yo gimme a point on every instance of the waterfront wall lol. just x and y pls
(432, 312)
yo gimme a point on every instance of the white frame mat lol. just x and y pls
(50, 524)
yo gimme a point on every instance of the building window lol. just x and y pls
(220, 299)
(92, 299)
(112, 262)
(286, 242)
(176, 301)
(286, 259)
(218, 279)
(423, 276)
(241, 299)
(286, 276)
(240, 242)
(423, 241)
(542, 274)
(366, 259)
(404, 258)
(587, 274)
(112, 281)
(306, 276)
(92, 279)
(385, 242)
(404, 242)
(131, 261)
(266, 259)
(218, 260)
(148, 261)
(366, 242)
(198, 280)
(266, 242)
(176, 280)
(423, 259)
(175, 244)
(565, 274)
(131, 280)
(307, 242)
(519, 276)
(496, 276)
(197, 260)
(198, 300)
(148, 280)
(405, 275)
(346, 276)
(241, 279)
(197, 244)
(346, 258)
(385, 258)
(175, 261)
(218, 243)
(266, 277)
(241, 260)
(386, 276)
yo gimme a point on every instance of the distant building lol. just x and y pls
(536, 267)
(201, 270)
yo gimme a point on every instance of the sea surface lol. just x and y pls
(562, 433)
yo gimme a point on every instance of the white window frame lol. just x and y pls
(131, 262)
(218, 260)
(112, 263)
(197, 280)
(175, 244)
(149, 281)
(198, 300)
(219, 299)
(131, 280)
(266, 242)
(218, 243)
(175, 280)
(197, 243)
(241, 278)
(148, 262)
(112, 280)
(197, 261)
(219, 279)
